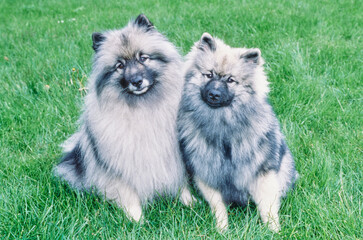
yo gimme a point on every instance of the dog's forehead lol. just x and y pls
(125, 43)
(129, 45)
(225, 61)
(220, 61)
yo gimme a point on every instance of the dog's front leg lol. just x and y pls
(215, 200)
(266, 193)
(125, 197)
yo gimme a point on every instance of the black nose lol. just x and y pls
(136, 81)
(214, 95)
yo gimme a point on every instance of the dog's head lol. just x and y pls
(131, 60)
(225, 75)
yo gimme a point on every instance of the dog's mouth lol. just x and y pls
(141, 88)
(214, 104)
(140, 91)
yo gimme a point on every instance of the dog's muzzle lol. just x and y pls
(216, 94)
(138, 85)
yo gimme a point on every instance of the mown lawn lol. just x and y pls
(313, 52)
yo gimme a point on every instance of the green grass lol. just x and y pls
(313, 52)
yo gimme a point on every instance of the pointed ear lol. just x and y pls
(97, 39)
(252, 55)
(143, 21)
(207, 42)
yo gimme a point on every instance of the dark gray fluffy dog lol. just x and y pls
(229, 135)
(127, 147)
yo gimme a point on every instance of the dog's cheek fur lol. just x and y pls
(104, 79)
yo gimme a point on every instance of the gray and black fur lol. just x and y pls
(229, 135)
(127, 147)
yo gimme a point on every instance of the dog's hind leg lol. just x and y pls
(266, 193)
(126, 197)
(215, 200)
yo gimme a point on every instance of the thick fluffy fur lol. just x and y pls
(126, 147)
(229, 135)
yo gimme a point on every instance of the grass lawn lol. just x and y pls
(313, 52)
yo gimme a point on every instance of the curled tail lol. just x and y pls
(71, 168)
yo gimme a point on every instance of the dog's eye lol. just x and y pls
(120, 65)
(209, 75)
(230, 80)
(143, 58)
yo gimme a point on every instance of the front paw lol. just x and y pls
(134, 213)
(187, 198)
(274, 225)
(222, 225)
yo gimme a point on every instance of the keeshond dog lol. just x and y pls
(127, 147)
(229, 135)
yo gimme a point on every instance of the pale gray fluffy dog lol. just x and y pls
(229, 135)
(127, 147)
